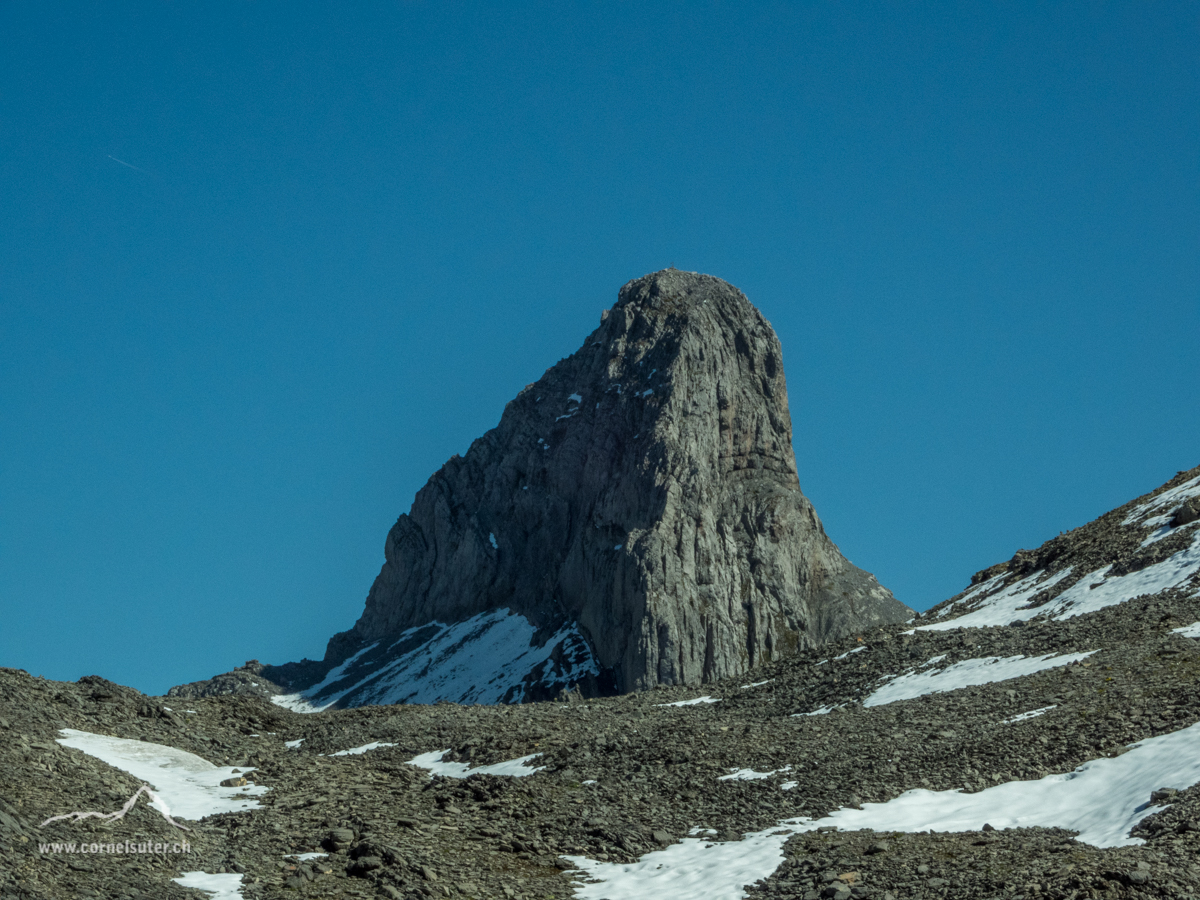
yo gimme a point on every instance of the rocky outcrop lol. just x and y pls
(246, 679)
(644, 490)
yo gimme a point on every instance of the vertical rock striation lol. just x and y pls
(644, 491)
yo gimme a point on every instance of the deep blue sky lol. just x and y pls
(341, 236)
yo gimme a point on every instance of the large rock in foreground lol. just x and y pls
(635, 519)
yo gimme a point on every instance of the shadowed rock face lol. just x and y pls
(644, 489)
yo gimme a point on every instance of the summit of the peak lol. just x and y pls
(677, 286)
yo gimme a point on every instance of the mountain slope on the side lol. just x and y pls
(635, 519)
(1148, 546)
(1055, 757)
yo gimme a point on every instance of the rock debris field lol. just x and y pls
(1029, 738)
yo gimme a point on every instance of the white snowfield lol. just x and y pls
(996, 607)
(1093, 592)
(1157, 535)
(475, 661)
(188, 785)
(693, 702)
(358, 751)
(966, 673)
(1032, 714)
(848, 652)
(514, 768)
(843, 655)
(1189, 631)
(299, 702)
(751, 774)
(1168, 501)
(1101, 800)
(821, 711)
(219, 887)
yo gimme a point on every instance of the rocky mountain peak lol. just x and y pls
(686, 298)
(634, 519)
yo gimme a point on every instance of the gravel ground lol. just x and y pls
(626, 775)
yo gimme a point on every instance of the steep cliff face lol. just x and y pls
(643, 491)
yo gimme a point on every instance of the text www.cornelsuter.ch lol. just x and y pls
(118, 848)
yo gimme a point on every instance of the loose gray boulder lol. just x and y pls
(1188, 513)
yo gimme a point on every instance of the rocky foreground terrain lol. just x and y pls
(1035, 737)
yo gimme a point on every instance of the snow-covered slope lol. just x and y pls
(1102, 800)
(187, 786)
(494, 657)
(1142, 549)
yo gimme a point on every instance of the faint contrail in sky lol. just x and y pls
(122, 162)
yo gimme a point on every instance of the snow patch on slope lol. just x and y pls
(1173, 499)
(358, 751)
(823, 711)
(1032, 714)
(485, 659)
(299, 702)
(188, 785)
(1093, 592)
(513, 768)
(751, 774)
(217, 886)
(694, 702)
(1002, 607)
(1098, 590)
(966, 673)
(1101, 800)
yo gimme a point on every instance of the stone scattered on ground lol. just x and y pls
(624, 776)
